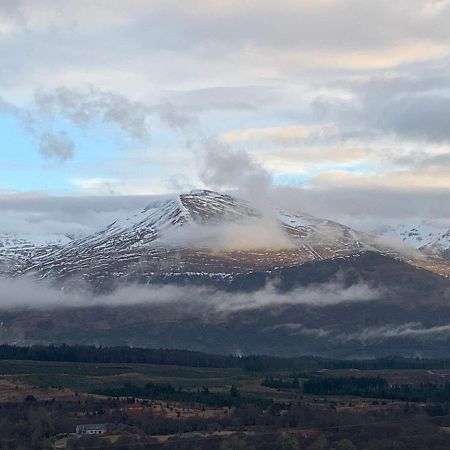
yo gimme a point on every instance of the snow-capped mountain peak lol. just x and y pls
(200, 232)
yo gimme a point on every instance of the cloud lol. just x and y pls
(396, 244)
(173, 47)
(9, 108)
(425, 117)
(173, 117)
(259, 233)
(413, 330)
(223, 168)
(413, 107)
(322, 98)
(412, 179)
(35, 213)
(97, 185)
(56, 146)
(86, 107)
(370, 335)
(356, 203)
(301, 330)
(288, 135)
(22, 293)
(225, 98)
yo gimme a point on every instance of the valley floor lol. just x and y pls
(155, 406)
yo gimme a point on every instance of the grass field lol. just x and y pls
(88, 377)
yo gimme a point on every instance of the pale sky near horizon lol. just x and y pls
(344, 103)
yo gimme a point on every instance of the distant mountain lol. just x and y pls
(432, 237)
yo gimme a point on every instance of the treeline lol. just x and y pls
(255, 363)
(359, 386)
(260, 363)
(377, 387)
(100, 354)
(167, 392)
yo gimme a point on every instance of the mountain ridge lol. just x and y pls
(202, 231)
(197, 232)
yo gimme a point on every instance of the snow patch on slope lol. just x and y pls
(430, 236)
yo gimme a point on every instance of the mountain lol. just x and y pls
(361, 305)
(211, 272)
(197, 233)
(19, 250)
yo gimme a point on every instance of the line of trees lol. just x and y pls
(253, 363)
(167, 392)
(377, 387)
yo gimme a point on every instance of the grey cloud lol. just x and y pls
(224, 168)
(24, 117)
(412, 107)
(347, 203)
(42, 214)
(319, 25)
(138, 36)
(37, 202)
(173, 117)
(88, 106)
(56, 146)
(423, 160)
(423, 117)
(8, 108)
(238, 98)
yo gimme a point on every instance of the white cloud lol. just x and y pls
(352, 94)
(288, 135)
(25, 293)
(97, 185)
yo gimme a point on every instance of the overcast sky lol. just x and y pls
(339, 107)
